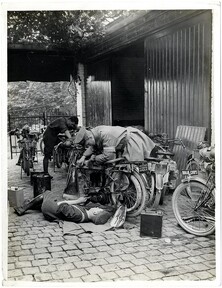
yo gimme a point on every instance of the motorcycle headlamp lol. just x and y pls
(172, 166)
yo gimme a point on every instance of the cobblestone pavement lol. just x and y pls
(37, 250)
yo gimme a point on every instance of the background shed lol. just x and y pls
(154, 71)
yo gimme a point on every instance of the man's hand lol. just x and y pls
(92, 158)
(81, 161)
(79, 200)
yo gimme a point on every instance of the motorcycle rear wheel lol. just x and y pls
(135, 197)
(197, 221)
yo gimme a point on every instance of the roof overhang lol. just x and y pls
(146, 23)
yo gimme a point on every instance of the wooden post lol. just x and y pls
(10, 137)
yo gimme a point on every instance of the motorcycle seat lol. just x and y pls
(165, 153)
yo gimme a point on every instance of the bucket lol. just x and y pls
(41, 183)
(34, 173)
(151, 224)
(15, 196)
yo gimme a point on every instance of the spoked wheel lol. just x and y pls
(27, 167)
(135, 196)
(194, 214)
(70, 175)
(155, 195)
(71, 184)
(58, 158)
(25, 163)
(149, 182)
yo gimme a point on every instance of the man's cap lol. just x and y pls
(74, 119)
(101, 218)
(26, 127)
(80, 135)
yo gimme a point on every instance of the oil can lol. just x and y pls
(15, 196)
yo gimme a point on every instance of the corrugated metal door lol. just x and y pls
(98, 97)
(178, 76)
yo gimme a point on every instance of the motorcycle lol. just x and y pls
(61, 152)
(28, 147)
(160, 174)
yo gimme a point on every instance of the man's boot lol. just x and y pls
(30, 205)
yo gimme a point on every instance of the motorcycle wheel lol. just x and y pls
(26, 164)
(197, 221)
(58, 158)
(150, 186)
(135, 197)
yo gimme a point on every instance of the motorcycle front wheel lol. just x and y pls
(57, 157)
(192, 213)
(25, 162)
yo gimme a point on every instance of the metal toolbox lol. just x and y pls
(151, 224)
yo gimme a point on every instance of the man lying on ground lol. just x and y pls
(55, 206)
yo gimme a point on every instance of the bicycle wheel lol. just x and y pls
(193, 217)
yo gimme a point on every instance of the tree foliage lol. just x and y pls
(76, 30)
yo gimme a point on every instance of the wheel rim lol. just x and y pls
(149, 183)
(130, 196)
(197, 220)
(58, 158)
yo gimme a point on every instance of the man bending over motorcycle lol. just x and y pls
(134, 144)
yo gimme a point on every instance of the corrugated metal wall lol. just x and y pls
(178, 76)
(98, 96)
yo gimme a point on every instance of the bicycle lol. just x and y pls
(193, 201)
(29, 153)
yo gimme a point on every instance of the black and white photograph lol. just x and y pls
(110, 144)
